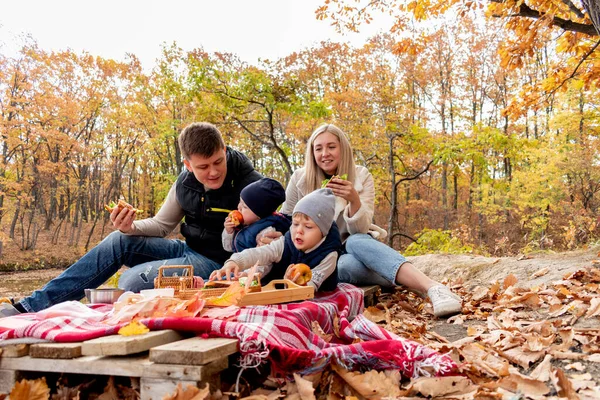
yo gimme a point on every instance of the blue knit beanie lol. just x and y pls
(320, 207)
(263, 196)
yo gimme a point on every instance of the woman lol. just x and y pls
(365, 260)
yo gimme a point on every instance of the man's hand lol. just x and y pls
(228, 269)
(267, 237)
(123, 220)
(229, 225)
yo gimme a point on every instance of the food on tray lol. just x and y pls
(300, 274)
(217, 284)
(254, 285)
(326, 181)
(236, 217)
(120, 206)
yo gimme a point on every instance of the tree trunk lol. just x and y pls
(593, 9)
(393, 195)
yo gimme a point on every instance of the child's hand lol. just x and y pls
(225, 273)
(264, 238)
(229, 225)
(300, 274)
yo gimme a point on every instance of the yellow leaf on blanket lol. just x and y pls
(30, 390)
(231, 297)
(133, 328)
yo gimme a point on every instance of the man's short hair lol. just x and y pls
(200, 138)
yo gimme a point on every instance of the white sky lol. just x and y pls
(265, 29)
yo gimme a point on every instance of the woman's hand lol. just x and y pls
(345, 190)
(229, 268)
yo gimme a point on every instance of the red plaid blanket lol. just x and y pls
(282, 334)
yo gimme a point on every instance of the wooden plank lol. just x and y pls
(132, 366)
(369, 293)
(15, 350)
(194, 351)
(56, 350)
(118, 345)
(8, 379)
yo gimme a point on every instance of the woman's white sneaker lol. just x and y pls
(445, 303)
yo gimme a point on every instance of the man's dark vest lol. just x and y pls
(291, 255)
(245, 238)
(205, 210)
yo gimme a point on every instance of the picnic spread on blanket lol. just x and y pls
(290, 336)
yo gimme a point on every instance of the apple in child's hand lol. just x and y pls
(236, 217)
(300, 274)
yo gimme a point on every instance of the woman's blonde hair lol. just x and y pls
(315, 175)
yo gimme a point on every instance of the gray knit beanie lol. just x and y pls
(320, 207)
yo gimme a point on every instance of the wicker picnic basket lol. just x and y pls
(179, 283)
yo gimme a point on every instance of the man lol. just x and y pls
(204, 193)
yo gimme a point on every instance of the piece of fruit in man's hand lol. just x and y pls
(300, 274)
(120, 206)
(236, 217)
(326, 181)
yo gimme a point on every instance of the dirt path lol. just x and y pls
(479, 270)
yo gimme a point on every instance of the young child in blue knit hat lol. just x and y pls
(313, 239)
(258, 205)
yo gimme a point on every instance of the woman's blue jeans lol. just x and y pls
(367, 261)
(143, 254)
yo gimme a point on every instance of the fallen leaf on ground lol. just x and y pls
(543, 370)
(539, 273)
(110, 391)
(30, 390)
(594, 309)
(371, 384)
(305, 388)
(374, 314)
(191, 392)
(442, 386)
(563, 385)
(519, 383)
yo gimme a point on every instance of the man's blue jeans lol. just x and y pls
(144, 254)
(367, 261)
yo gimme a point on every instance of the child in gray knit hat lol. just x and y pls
(313, 239)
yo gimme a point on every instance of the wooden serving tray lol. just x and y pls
(276, 292)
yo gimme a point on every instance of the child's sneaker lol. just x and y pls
(8, 310)
(445, 303)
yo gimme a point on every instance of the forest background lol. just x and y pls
(479, 121)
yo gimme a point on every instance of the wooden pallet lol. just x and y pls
(161, 359)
